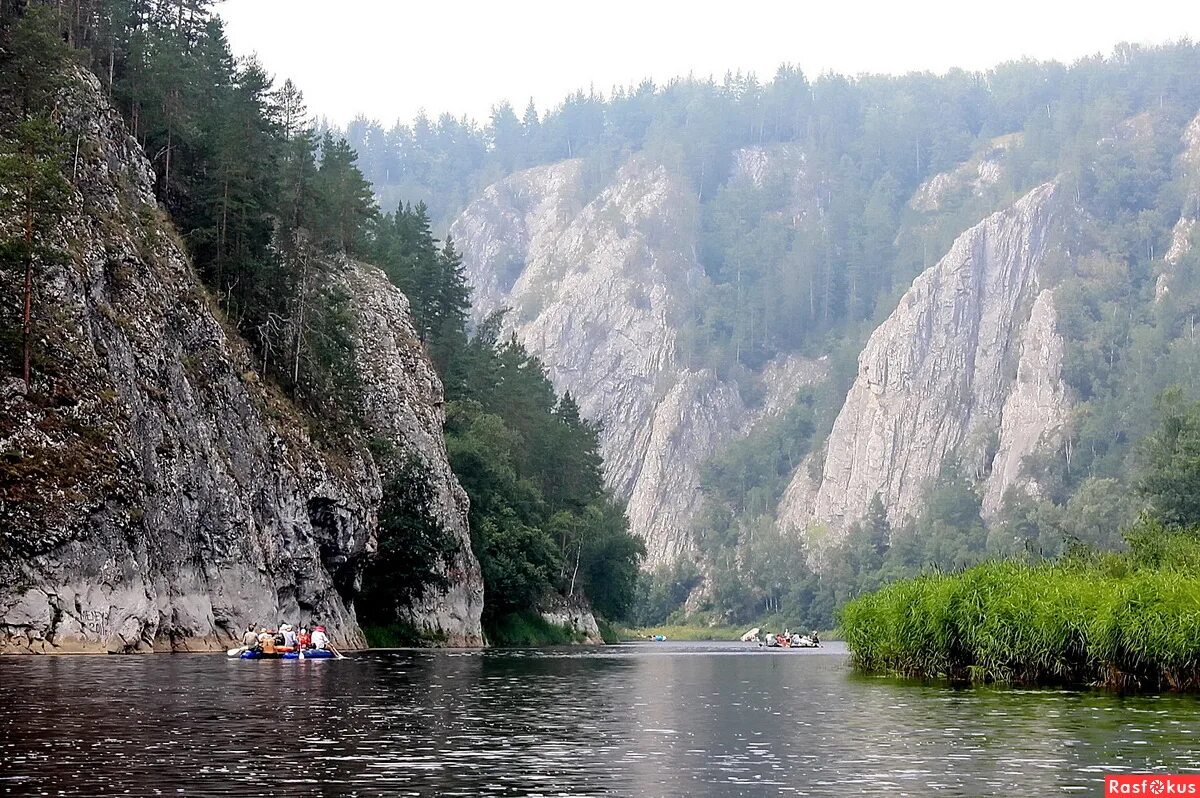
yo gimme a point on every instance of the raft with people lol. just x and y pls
(285, 643)
(788, 640)
(312, 653)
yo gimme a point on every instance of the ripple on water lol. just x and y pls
(668, 719)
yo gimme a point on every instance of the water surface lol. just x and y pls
(672, 719)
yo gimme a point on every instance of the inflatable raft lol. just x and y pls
(315, 653)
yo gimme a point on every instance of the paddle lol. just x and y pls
(236, 652)
(337, 654)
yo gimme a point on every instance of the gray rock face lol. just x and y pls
(967, 367)
(576, 615)
(598, 289)
(402, 402)
(1036, 409)
(161, 496)
(1188, 167)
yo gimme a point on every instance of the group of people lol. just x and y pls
(285, 638)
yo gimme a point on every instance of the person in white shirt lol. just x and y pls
(320, 640)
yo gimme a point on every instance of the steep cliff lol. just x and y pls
(966, 369)
(155, 493)
(1188, 169)
(402, 403)
(598, 289)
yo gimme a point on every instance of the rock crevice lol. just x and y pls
(966, 370)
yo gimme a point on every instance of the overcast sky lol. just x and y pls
(389, 59)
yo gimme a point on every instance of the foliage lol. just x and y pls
(415, 551)
(663, 591)
(527, 628)
(432, 279)
(749, 476)
(608, 633)
(1124, 620)
(1170, 476)
(398, 635)
(33, 188)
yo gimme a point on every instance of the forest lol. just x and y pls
(1109, 128)
(266, 205)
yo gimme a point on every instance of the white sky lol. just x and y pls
(390, 58)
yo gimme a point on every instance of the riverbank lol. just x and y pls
(683, 632)
(1111, 620)
(697, 633)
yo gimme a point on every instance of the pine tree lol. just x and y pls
(346, 201)
(32, 185)
(452, 301)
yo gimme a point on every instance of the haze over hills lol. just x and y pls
(702, 264)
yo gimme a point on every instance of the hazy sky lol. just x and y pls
(391, 58)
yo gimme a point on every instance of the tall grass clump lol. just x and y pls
(1109, 620)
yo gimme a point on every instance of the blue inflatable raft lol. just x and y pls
(316, 653)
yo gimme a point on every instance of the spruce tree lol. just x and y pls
(346, 201)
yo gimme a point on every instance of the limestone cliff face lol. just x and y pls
(402, 403)
(575, 615)
(1188, 167)
(1037, 406)
(158, 495)
(967, 368)
(598, 288)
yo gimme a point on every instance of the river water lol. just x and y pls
(650, 719)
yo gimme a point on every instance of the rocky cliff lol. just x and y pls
(598, 288)
(967, 369)
(1188, 169)
(971, 178)
(155, 493)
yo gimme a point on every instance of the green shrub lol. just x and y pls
(519, 629)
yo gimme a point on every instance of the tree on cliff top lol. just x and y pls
(32, 186)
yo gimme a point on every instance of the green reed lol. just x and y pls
(1105, 621)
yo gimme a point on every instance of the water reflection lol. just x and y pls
(647, 719)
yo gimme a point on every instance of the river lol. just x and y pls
(677, 719)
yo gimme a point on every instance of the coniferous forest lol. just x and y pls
(1108, 128)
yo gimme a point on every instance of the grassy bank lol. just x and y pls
(678, 632)
(524, 629)
(399, 636)
(1117, 621)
